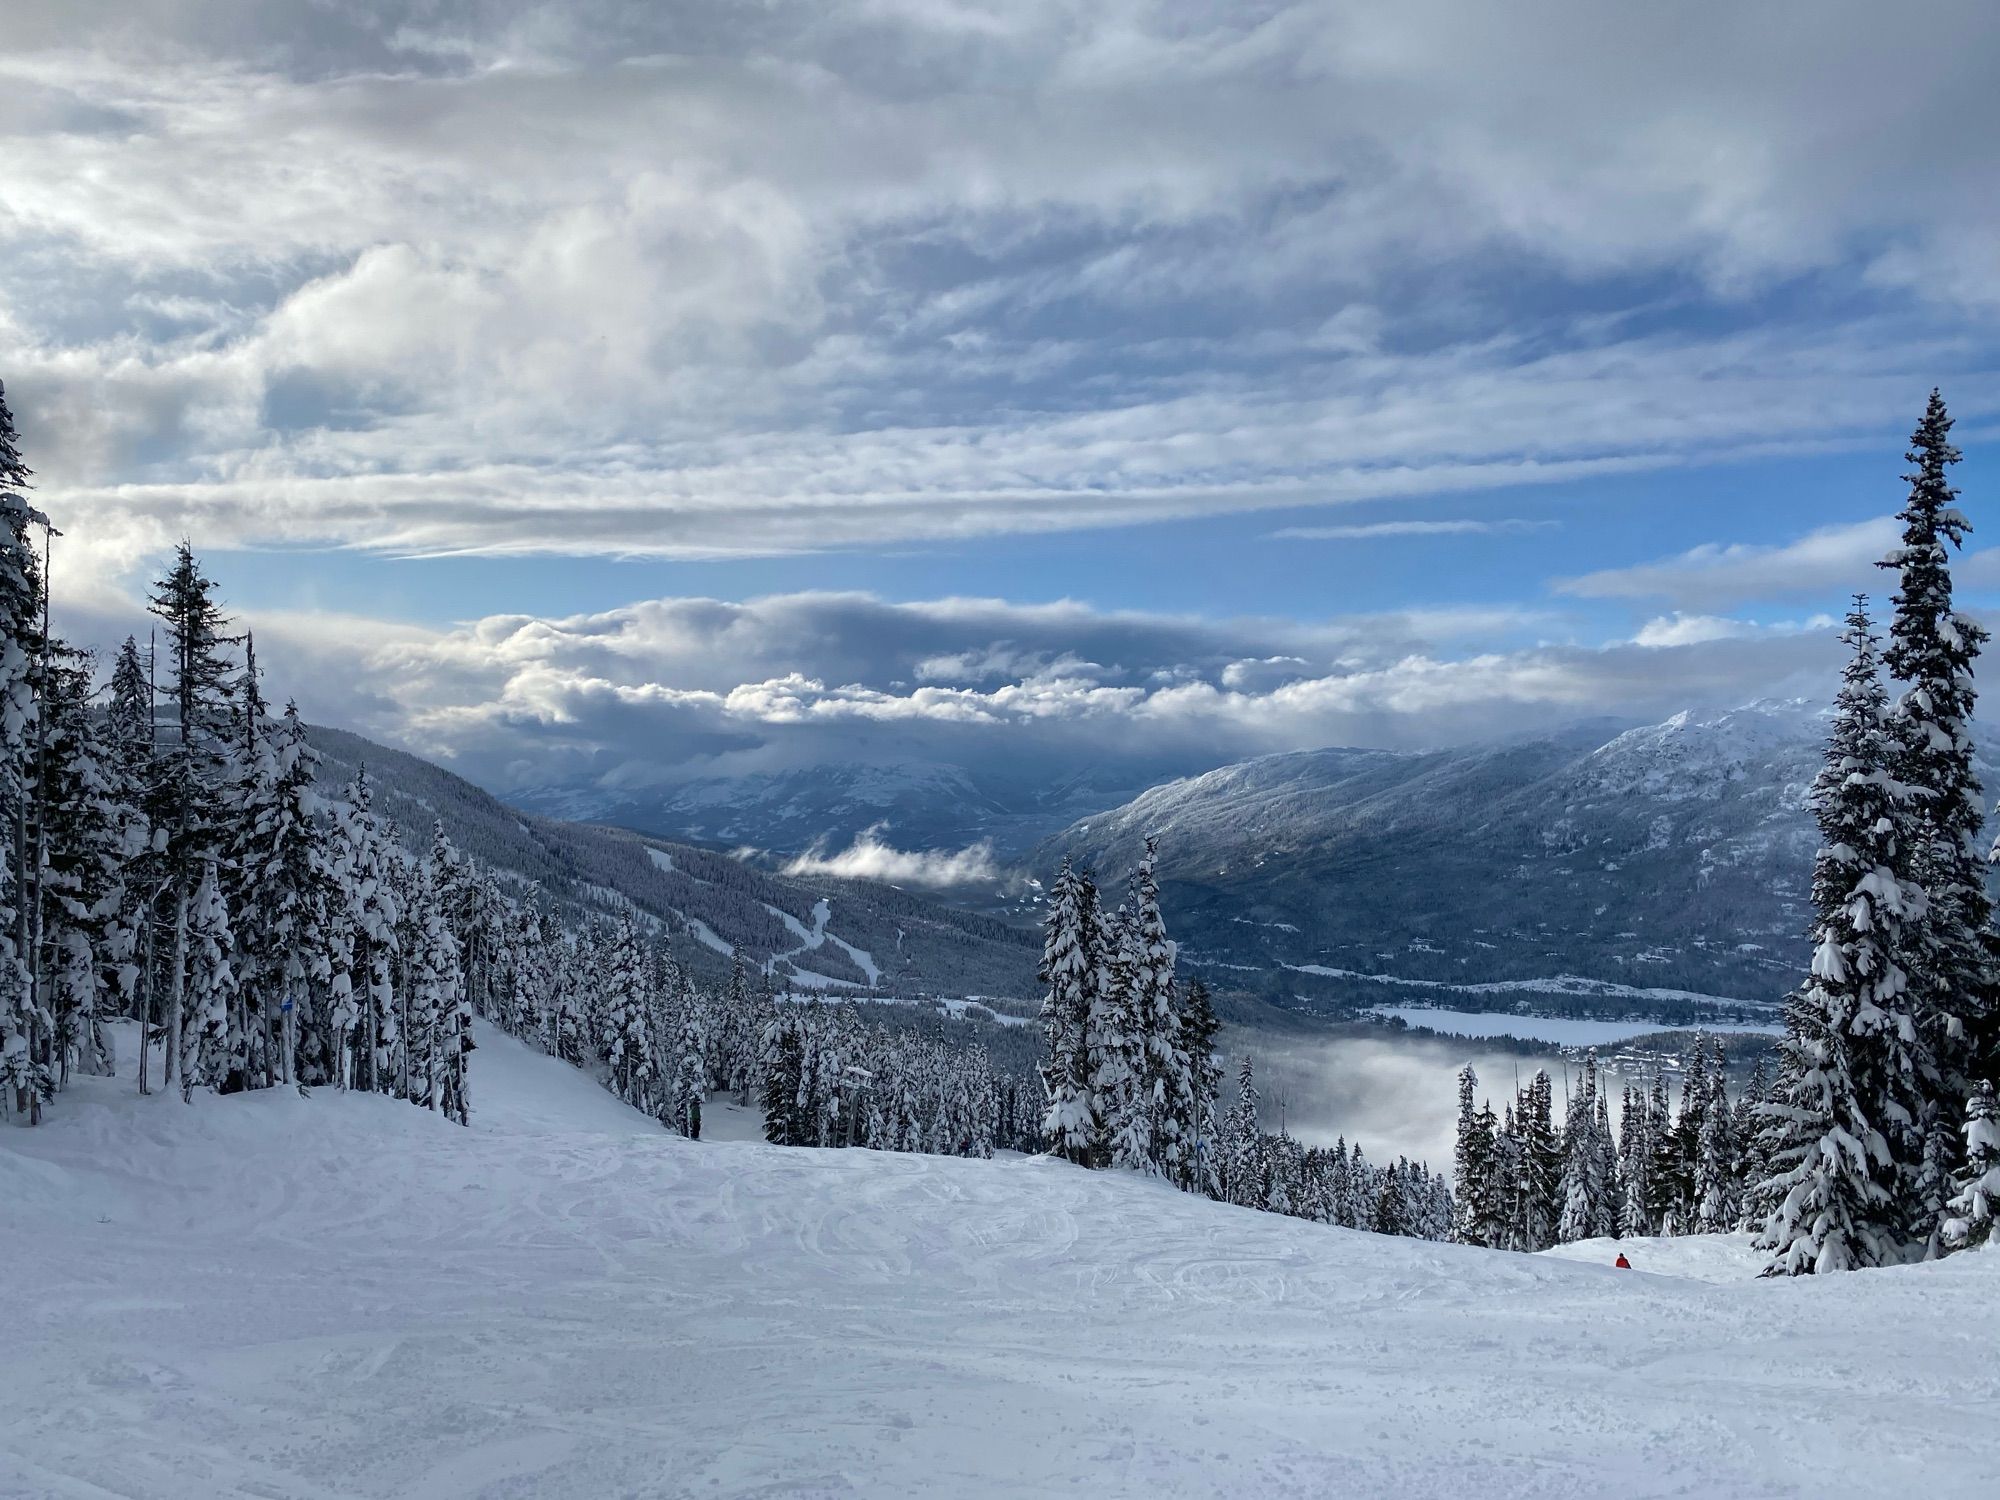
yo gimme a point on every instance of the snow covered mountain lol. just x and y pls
(825, 808)
(262, 1294)
(1674, 857)
(819, 931)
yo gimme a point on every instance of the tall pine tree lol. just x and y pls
(1850, 1059)
(1952, 969)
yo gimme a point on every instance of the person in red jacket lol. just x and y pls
(1623, 1263)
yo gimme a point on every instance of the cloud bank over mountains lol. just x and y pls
(706, 281)
(673, 690)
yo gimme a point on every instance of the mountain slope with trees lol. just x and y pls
(1670, 856)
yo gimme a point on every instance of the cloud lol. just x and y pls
(870, 858)
(1668, 631)
(1691, 630)
(1369, 530)
(703, 280)
(1831, 560)
(1392, 1097)
(666, 691)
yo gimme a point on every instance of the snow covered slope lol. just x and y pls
(911, 804)
(344, 1296)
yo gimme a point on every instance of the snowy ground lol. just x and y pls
(301, 1299)
(1719, 1258)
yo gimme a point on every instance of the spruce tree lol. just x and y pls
(1165, 1084)
(1715, 1179)
(1851, 1061)
(1688, 1129)
(1976, 1203)
(785, 1079)
(25, 1080)
(1579, 1186)
(211, 987)
(1068, 970)
(1952, 966)
(372, 920)
(1117, 1049)
(89, 837)
(1749, 1125)
(688, 1078)
(627, 1007)
(191, 769)
(1610, 1185)
(1635, 1148)
(1199, 1029)
(1472, 1164)
(1241, 1182)
(1540, 1164)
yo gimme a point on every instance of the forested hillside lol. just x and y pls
(823, 932)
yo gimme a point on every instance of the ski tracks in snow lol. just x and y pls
(343, 1296)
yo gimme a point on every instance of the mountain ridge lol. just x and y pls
(1670, 856)
(823, 932)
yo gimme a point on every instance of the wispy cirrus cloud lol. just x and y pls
(1371, 530)
(1824, 563)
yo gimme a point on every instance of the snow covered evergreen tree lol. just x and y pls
(1582, 1184)
(1473, 1167)
(1540, 1164)
(191, 769)
(1952, 964)
(1753, 1165)
(1069, 971)
(1610, 1186)
(211, 987)
(433, 984)
(1118, 1049)
(1635, 1147)
(1715, 1178)
(1975, 1204)
(627, 1008)
(25, 1079)
(1853, 1052)
(370, 918)
(688, 1078)
(1242, 1131)
(88, 836)
(1199, 1028)
(1166, 1093)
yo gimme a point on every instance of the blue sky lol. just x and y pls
(611, 390)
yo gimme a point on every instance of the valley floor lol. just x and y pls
(342, 1296)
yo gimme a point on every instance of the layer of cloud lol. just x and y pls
(1371, 530)
(704, 280)
(870, 857)
(678, 690)
(1830, 561)
(1665, 632)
